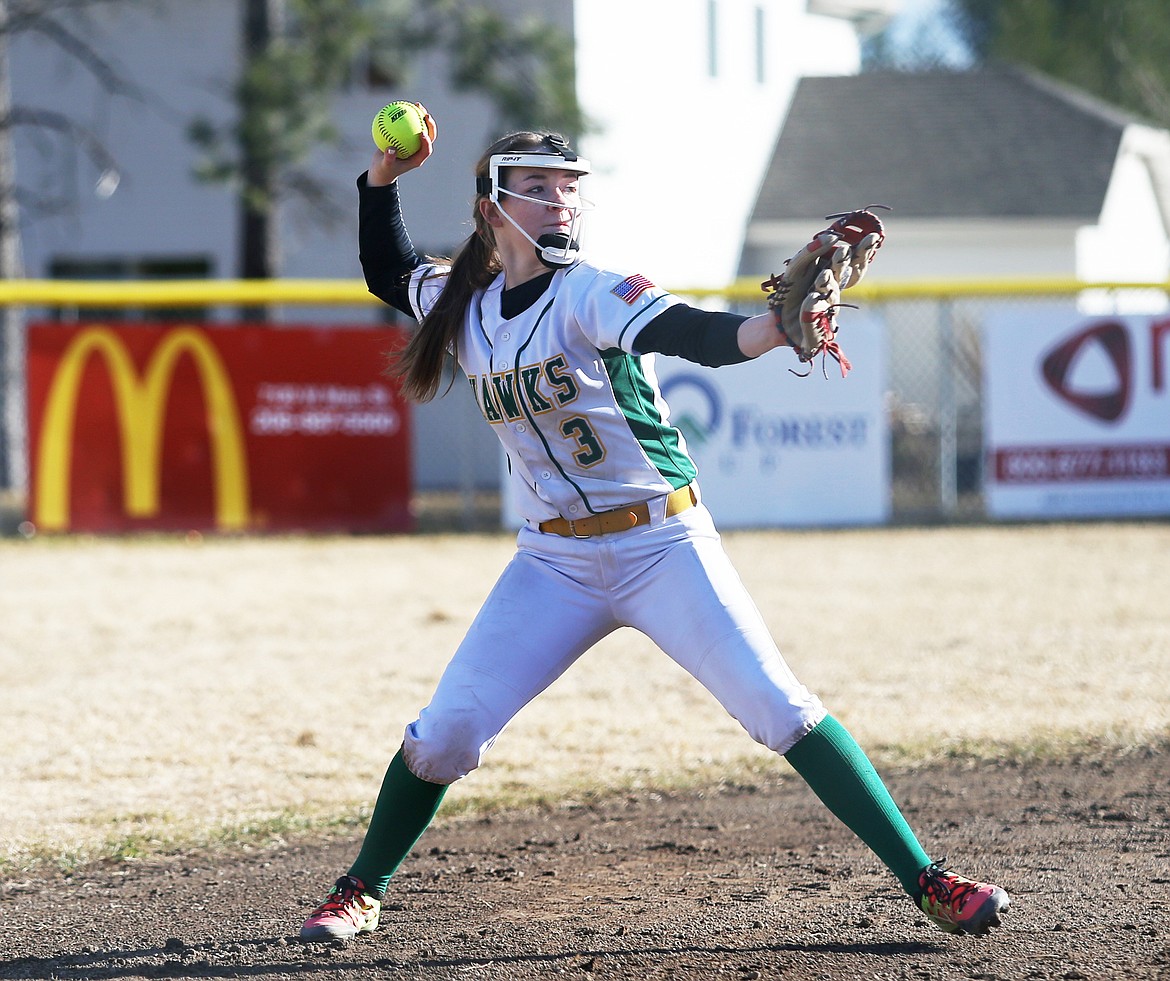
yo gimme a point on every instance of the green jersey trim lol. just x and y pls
(635, 397)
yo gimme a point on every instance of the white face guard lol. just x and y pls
(555, 251)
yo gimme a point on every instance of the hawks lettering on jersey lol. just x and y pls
(542, 386)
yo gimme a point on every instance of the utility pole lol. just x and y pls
(13, 451)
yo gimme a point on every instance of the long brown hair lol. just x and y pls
(476, 264)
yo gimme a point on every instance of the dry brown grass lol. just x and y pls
(157, 691)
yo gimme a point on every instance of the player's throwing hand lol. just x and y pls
(387, 166)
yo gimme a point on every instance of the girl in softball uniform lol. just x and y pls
(558, 354)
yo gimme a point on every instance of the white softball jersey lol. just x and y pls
(578, 412)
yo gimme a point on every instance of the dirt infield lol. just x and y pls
(738, 883)
(194, 731)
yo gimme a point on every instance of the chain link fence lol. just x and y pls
(934, 402)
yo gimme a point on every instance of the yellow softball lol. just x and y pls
(399, 125)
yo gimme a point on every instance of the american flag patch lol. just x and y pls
(632, 287)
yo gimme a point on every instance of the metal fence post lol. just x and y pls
(13, 451)
(948, 413)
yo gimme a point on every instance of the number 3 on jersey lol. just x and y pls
(591, 451)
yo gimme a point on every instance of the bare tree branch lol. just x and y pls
(66, 125)
(324, 203)
(101, 69)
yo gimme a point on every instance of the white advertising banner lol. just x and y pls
(1076, 414)
(777, 450)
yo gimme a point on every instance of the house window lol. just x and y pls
(712, 38)
(761, 48)
(127, 267)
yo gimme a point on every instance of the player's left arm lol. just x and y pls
(635, 315)
(708, 338)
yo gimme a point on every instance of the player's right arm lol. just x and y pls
(384, 248)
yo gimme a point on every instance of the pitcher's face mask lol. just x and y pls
(554, 250)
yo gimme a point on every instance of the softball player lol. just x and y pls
(559, 357)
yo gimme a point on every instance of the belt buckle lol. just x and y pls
(573, 531)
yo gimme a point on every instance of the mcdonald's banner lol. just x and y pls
(137, 427)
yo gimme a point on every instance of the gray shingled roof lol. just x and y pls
(991, 143)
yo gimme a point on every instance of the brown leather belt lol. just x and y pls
(619, 519)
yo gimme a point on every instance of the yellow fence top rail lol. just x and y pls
(183, 292)
(749, 289)
(353, 292)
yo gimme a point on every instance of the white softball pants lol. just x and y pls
(558, 597)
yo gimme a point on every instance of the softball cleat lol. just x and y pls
(347, 911)
(957, 904)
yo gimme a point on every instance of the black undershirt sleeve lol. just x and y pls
(384, 247)
(702, 336)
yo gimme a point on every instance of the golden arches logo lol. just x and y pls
(141, 403)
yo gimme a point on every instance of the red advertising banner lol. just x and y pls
(214, 427)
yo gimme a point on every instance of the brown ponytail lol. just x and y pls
(476, 264)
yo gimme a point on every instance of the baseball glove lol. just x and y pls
(806, 295)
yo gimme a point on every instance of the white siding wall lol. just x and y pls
(1129, 243)
(185, 55)
(944, 249)
(681, 151)
(179, 57)
(976, 249)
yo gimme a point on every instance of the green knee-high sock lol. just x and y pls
(841, 775)
(406, 805)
